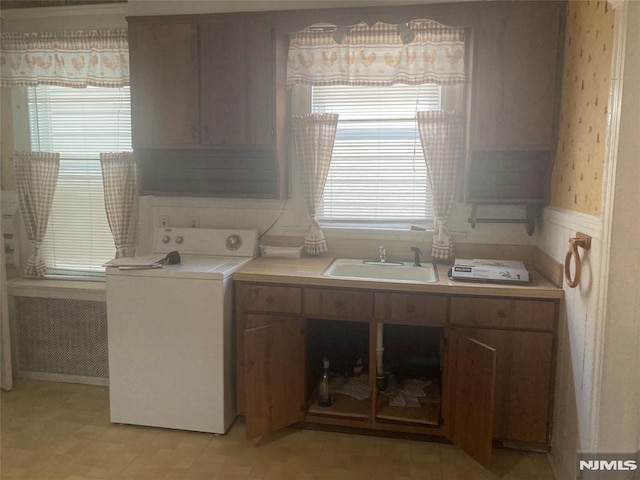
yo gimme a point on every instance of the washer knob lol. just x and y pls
(179, 239)
(234, 242)
(166, 239)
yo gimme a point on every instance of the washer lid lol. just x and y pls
(192, 266)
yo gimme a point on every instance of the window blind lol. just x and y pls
(378, 173)
(79, 124)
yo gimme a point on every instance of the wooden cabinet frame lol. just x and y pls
(490, 389)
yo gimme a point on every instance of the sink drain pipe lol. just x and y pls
(380, 350)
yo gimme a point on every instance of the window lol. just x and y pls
(378, 174)
(79, 124)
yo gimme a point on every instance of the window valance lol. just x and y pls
(78, 59)
(422, 51)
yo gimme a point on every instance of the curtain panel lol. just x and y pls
(442, 137)
(6, 376)
(36, 175)
(313, 138)
(77, 59)
(120, 179)
(422, 51)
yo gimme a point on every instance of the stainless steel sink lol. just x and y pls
(381, 271)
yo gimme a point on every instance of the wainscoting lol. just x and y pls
(579, 331)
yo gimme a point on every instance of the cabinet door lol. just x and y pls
(471, 384)
(523, 382)
(164, 84)
(236, 78)
(274, 365)
(514, 84)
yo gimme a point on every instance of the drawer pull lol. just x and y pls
(339, 304)
(269, 299)
(502, 313)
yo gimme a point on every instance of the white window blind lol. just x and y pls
(378, 174)
(79, 124)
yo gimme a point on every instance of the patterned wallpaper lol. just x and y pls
(577, 175)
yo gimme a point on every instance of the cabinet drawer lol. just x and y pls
(346, 304)
(411, 309)
(266, 298)
(503, 313)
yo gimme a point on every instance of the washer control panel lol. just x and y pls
(206, 241)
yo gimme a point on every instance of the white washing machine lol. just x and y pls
(170, 332)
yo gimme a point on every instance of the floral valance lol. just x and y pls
(422, 51)
(70, 59)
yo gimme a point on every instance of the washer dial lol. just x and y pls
(233, 242)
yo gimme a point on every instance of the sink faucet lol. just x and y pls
(418, 252)
(383, 254)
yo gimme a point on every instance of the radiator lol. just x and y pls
(61, 336)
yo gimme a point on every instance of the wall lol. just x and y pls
(577, 175)
(245, 213)
(618, 426)
(576, 196)
(597, 381)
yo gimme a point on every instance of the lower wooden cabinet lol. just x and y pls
(479, 383)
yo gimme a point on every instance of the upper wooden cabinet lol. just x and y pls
(515, 77)
(164, 83)
(208, 111)
(517, 58)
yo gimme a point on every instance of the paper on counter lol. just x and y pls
(144, 261)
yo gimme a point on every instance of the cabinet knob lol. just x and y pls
(339, 304)
(269, 299)
(502, 313)
(411, 308)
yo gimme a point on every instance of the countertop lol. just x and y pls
(308, 271)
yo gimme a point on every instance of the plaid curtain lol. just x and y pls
(120, 179)
(442, 137)
(36, 176)
(381, 55)
(6, 377)
(313, 138)
(77, 59)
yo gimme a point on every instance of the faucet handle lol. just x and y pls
(383, 254)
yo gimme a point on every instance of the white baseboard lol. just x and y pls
(58, 377)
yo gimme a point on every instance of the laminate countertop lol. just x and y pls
(308, 271)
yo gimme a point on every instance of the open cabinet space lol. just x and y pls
(409, 377)
(345, 346)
